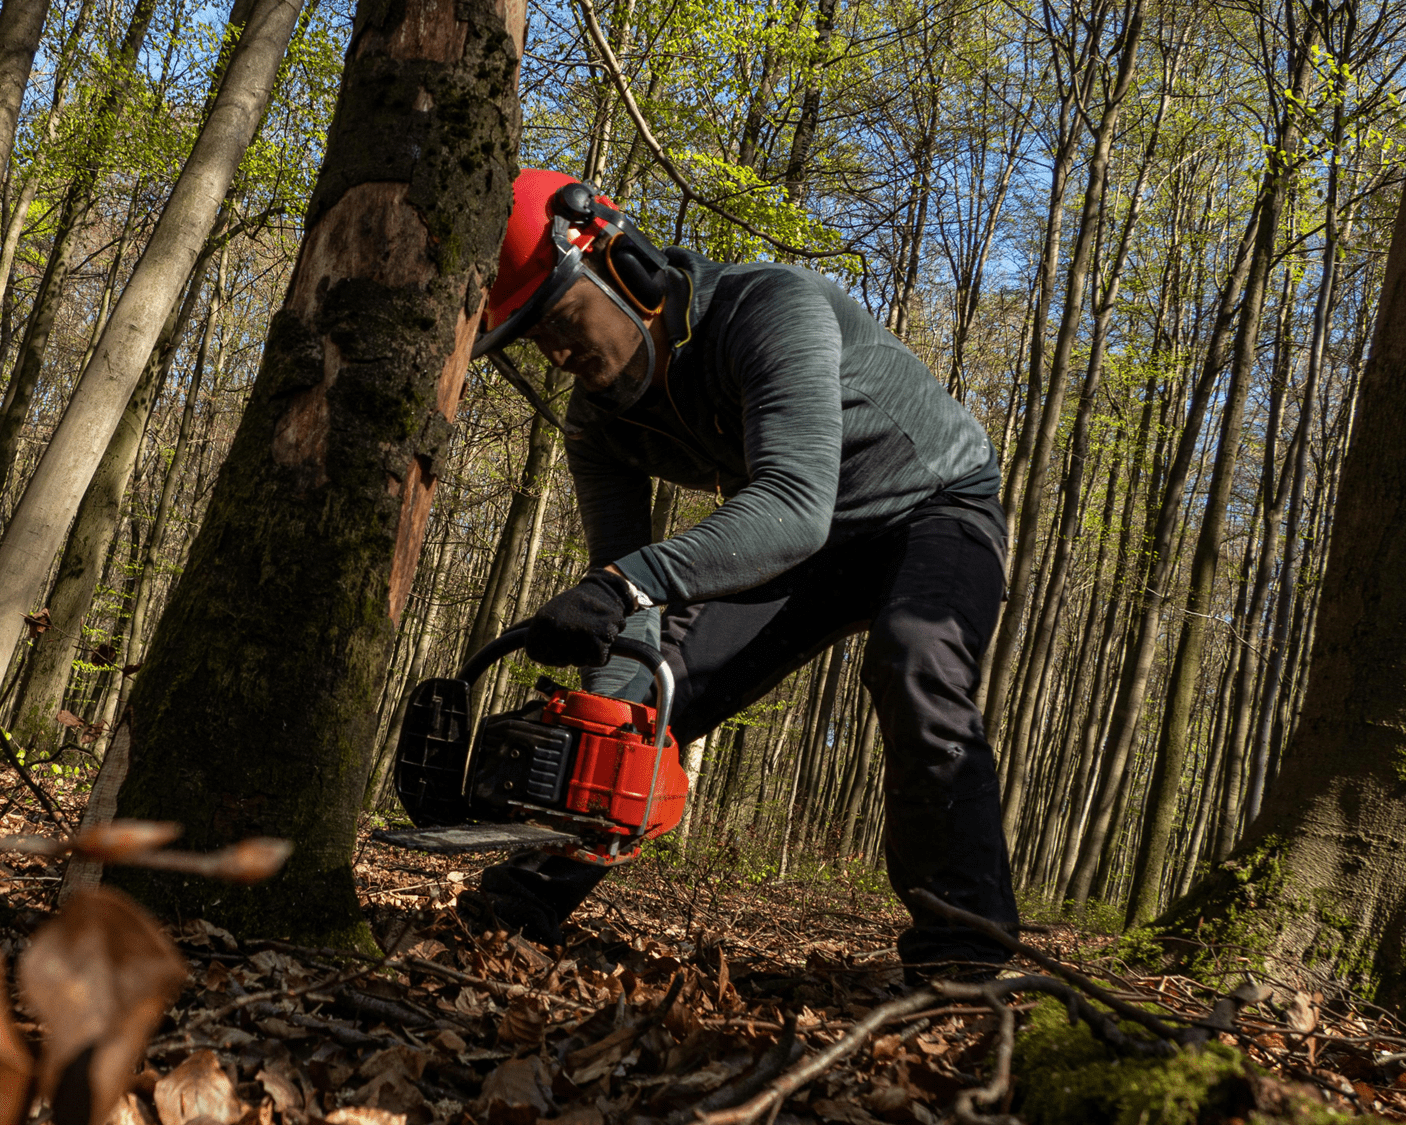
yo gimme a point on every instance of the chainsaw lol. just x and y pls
(572, 773)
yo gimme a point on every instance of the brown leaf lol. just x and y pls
(16, 1063)
(402, 1061)
(281, 1088)
(580, 1115)
(119, 840)
(517, 1092)
(845, 1112)
(91, 732)
(68, 719)
(524, 1023)
(363, 1115)
(104, 656)
(251, 860)
(199, 932)
(590, 1063)
(1302, 1016)
(38, 623)
(886, 1098)
(131, 1110)
(100, 975)
(392, 1091)
(199, 1087)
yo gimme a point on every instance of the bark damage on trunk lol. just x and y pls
(255, 711)
(1317, 880)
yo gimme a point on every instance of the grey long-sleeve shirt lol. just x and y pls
(788, 399)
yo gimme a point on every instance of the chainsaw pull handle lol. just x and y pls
(516, 637)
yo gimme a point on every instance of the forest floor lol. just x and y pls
(684, 989)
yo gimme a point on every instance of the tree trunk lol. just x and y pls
(51, 659)
(72, 216)
(36, 530)
(275, 641)
(1033, 500)
(1137, 664)
(21, 24)
(1332, 832)
(1167, 768)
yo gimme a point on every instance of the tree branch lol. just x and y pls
(656, 150)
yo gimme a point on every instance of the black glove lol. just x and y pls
(578, 626)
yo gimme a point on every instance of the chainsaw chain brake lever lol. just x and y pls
(650, 657)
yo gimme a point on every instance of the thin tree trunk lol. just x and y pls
(36, 530)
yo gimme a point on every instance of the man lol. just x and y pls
(858, 494)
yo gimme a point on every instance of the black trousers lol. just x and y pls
(928, 592)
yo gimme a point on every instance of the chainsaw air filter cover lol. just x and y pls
(432, 756)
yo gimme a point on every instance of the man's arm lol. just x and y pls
(782, 350)
(615, 511)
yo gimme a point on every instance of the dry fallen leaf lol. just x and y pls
(282, 1089)
(1301, 1015)
(523, 1024)
(363, 1115)
(249, 861)
(845, 1112)
(590, 1063)
(131, 1110)
(119, 840)
(100, 976)
(16, 1063)
(199, 1087)
(518, 1092)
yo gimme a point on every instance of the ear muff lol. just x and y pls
(639, 279)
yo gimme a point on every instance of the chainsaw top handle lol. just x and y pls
(650, 657)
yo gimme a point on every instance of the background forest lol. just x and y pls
(1141, 241)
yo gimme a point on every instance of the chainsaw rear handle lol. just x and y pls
(516, 637)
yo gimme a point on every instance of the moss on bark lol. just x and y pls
(1064, 1076)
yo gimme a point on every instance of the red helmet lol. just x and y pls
(548, 233)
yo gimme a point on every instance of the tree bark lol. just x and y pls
(274, 644)
(21, 24)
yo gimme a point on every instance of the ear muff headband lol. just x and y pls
(641, 287)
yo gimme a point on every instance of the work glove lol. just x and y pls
(578, 626)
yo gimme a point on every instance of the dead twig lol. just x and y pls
(617, 77)
(813, 1067)
(1073, 976)
(13, 758)
(964, 1108)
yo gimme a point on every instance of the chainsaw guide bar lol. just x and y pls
(473, 838)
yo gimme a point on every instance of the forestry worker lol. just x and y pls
(858, 495)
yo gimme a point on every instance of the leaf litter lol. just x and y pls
(683, 993)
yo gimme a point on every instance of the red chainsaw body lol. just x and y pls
(614, 764)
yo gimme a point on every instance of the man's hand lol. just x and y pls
(578, 626)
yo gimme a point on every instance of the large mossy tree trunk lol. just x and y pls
(255, 711)
(1318, 879)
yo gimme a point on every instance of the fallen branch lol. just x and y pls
(964, 1108)
(818, 1064)
(1182, 1036)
